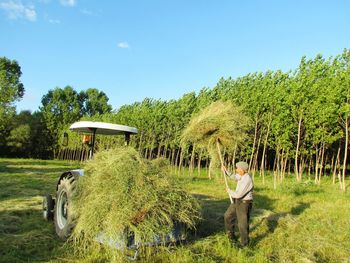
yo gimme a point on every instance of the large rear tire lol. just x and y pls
(63, 218)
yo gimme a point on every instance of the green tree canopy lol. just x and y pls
(94, 102)
(11, 89)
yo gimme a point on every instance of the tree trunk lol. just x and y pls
(297, 151)
(322, 164)
(301, 168)
(150, 153)
(167, 151)
(146, 153)
(309, 168)
(140, 142)
(191, 166)
(210, 169)
(318, 154)
(274, 161)
(337, 161)
(181, 161)
(159, 150)
(234, 157)
(255, 162)
(64, 154)
(262, 167)
(285, 166)
(277, 171)
(177, 157)
(199, 162)
(255, 135)
(207, 167)
(281, 166)
(345, 154)
(172, 156)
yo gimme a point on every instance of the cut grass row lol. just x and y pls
(295, 223)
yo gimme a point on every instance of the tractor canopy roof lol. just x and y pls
(101, 128)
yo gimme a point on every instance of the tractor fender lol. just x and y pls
(72, 173)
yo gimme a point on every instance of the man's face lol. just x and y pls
(240, 171)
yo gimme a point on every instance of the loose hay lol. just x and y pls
(122, 194)
(220, 121)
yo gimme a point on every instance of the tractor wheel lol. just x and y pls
(48, 207)
(63, 218)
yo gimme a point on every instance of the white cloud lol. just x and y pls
(54, 21)
(123, 45)
(70, 3)
(17, 10)
(87, 12)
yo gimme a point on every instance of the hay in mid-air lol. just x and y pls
(122, 193)
(219, 124)
(220, 121)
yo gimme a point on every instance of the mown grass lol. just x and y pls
(295, 223)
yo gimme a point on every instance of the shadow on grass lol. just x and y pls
(213, 216)
(26, 236)
(32, 170)
(273, 220)
(213, 213)
(28, 180)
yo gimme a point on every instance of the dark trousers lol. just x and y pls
(239, 213)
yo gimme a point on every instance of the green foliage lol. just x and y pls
(19, 137)
(11, 89)
(60, 107)
(94, 102)
(294, 115)
(122, 193)
(26, 136)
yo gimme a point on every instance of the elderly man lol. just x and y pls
(239, 210)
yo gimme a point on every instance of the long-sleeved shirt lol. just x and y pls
(244, 187)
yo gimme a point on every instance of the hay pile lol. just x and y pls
(122, 193)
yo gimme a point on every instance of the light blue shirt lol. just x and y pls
(244, 187)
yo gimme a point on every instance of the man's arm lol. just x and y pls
(233, 176)
(242, 189)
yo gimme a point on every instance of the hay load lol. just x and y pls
(123, 194)
(219, 124)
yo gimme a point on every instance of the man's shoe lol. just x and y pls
(231, 236)
(242, 246)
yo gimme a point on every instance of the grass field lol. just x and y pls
(295, 223)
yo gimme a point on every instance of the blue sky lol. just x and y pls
(161, 49)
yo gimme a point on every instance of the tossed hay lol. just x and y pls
(125, 195)
(221, 123)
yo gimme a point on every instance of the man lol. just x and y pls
(239, 210)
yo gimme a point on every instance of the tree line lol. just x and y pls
(299, 120)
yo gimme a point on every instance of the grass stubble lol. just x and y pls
(297, 222)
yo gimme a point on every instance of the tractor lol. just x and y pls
(56, 207)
